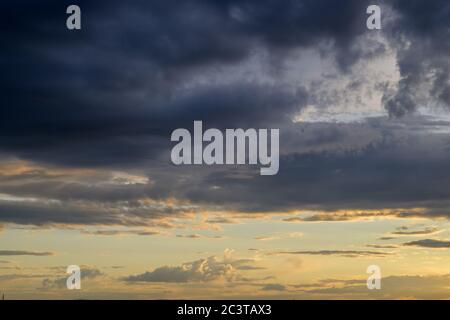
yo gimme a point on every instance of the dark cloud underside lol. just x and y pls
(108, 96)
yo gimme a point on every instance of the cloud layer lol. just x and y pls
(105, 100)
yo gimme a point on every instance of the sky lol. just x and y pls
(86, 176)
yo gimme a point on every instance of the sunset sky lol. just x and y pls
(86, 176)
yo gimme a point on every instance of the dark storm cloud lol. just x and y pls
(110, 93)
(47, 213)
(62, 189)
(390, 169)
(397, 170)
(420, 34)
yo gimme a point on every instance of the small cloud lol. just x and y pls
(273, 287)
(405, 231)
(381, 246)
(394, 287)
(15, 276)
(121, 232)
(294, 219)
(340, 216)
(343, 253)
(429, 243)
(264, 238)
(198, 236)
(221, 220)
(249, 267)
(24, 253)
(244, 264)
(59, 283)
(190, 236)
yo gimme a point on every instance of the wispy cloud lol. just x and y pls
(121, 232)
(429, 243)
(406, 231)
(381, 246)
(198, 236)
(273, 287)
(394, 287)
(24, 253)
(280, 236)
(59, 283)
(343, 253)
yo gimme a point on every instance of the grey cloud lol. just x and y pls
(406, 231)
(47, 213)
(24, 253)
(247, 267)
(131, 82)
(121, 232)
(387, 238)
(420, 35)
(380, 246)
(273, 287)
(379, 175)
(339, 216)
(384, 173)
(343, 253)
(197, 236)
(394, 287)
(191, 236)
(59, 283)
(200, 270)
(116, 102)
(221, 220)
(19, 276)
(429, 243)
